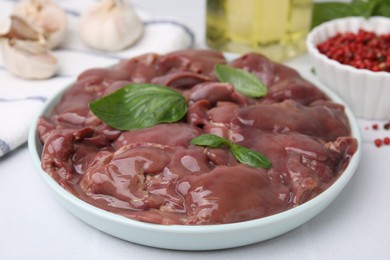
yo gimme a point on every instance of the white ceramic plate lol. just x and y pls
(205, 237)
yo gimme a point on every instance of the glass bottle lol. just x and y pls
(276, 28)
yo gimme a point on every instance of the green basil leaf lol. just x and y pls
(210, 140)
(242, 154)
(244, 82)
(250, 157)
(137, 106)
(364, 7)
(323, 12)
(382, 9)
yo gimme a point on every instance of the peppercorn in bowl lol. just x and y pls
(352, 57)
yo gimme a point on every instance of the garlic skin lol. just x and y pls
(28, 59)
(111, 25)
(45, 17)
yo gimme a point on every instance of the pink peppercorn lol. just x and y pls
(378, 142)
(362, 50)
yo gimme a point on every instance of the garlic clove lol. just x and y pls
(15, 27)
(110, 25)
(46, 17)
(28, 59)
(5, 26)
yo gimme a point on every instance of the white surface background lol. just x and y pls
(356, 226)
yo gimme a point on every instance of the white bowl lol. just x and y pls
(206, 237)
(365, 91)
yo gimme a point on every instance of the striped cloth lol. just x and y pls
(20, 99)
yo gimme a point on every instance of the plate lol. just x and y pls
(206, 237)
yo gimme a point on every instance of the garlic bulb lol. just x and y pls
(45, 17)
(28, 59)
(111, 25)
(24, 50)
(15, 27)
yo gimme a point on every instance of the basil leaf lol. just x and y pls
(382, 9)
(242, 154)
(249, 157)
(364, 7)
(137, 106)
(210, 140)
(323, 12)
(244, 82)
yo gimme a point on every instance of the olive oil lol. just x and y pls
(276, 28)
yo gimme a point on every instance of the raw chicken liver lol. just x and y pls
(155, 175)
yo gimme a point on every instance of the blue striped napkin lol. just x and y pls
(20, 99)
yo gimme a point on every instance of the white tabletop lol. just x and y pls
(355, 226)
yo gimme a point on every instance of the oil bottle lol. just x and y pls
(276, 28)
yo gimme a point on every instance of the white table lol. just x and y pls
(356, 226)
